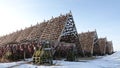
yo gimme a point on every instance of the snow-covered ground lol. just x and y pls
(109, 61)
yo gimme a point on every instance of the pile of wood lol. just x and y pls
(88, 40)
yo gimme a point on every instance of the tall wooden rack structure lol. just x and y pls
(61, 29)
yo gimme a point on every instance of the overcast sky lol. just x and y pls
(102, 15)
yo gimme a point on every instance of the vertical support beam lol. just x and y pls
(70, 35)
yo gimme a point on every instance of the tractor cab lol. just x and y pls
(44, 54)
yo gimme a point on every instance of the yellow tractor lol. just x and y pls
(44, 54)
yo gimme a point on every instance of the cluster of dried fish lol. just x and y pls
(58, 29)
(92, 45)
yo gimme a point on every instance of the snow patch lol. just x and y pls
(108, 61)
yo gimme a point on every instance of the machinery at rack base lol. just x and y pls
(44, 54)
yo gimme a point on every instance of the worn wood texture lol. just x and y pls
(88, 40)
